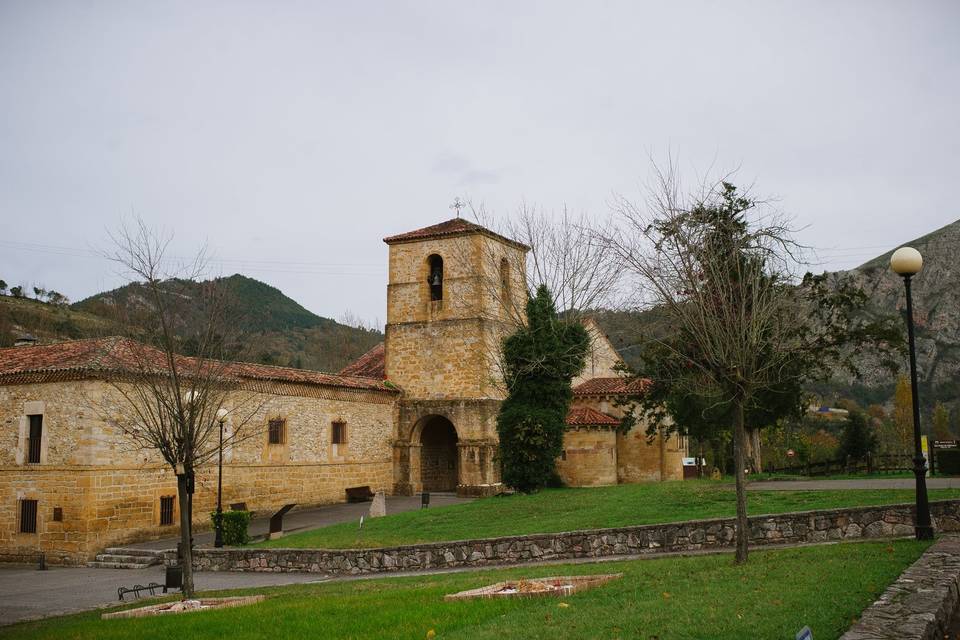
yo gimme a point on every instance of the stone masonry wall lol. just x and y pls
(109, 493)
(589, 457)
(789, 528)
(920, 604)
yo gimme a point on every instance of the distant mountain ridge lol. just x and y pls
(280, 330)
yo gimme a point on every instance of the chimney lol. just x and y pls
(26, 340)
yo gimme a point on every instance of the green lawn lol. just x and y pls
(773, 596)
(570, 509)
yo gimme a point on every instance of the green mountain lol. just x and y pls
(278, 329)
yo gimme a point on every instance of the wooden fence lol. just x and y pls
(893, 463)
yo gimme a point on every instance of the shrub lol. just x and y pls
(948, 462)
(235, 524)
(858, 439)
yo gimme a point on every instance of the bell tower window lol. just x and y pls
(504, 282)
(435, 277)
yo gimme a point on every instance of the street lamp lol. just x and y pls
(218, 538)
(906, 262)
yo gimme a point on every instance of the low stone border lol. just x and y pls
(788, 528)
(919, 605)
(555, 586)
(164, 608)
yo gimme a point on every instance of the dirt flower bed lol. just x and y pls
(184, 606)
(534, 587)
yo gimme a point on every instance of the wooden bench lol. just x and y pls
(359, 494)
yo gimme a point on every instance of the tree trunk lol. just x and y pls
(739, 440)
(186, 531)
(753, 450)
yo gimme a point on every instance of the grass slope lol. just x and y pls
(773, 596)
(571, 509)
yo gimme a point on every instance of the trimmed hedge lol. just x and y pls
(948, 462)
(235, 524)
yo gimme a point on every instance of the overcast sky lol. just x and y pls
(293, 137)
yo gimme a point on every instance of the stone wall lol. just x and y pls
(789, 528)
(920, 604)
(109, 493)
(589, 457)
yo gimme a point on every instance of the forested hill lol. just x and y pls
(280, 330)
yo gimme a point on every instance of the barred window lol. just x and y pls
(338, 433)
(277, 431)
(28, 516)
(166, 510)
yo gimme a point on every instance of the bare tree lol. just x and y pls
(562, 253)
(719, 267)
(176, 404)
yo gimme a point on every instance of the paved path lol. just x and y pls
(312, 518)
(26, 593)
(865, 483)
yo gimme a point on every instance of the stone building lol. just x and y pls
(417, 413)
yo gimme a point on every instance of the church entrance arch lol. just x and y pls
(439, 457)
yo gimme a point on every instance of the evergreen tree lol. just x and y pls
(858, 438)
(540, 360)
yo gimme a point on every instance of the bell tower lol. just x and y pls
(454, 292)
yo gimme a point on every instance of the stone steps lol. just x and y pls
(121, 558)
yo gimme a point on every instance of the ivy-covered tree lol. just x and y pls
(858, 437)
(540, 360)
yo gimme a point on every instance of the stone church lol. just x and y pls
(416, 413)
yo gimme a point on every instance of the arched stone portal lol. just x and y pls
(439, 456)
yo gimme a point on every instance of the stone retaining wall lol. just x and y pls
(919, 605)
(787, 528)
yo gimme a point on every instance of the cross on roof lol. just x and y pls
(457, 205)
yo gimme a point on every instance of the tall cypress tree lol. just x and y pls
(540, 361)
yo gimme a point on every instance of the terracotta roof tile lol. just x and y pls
(587, 417)
(103, 355)
(449, 228)
(372, 364)
(610, 386)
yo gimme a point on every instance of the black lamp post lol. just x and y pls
(218, 538)
(907, 262)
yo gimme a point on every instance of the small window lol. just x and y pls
(33, 443)
(166, 510)
(28, 516)
(277, 431)
(563, 454)
(338, 433)
(435, 277)
(58, 514)
(504, 282)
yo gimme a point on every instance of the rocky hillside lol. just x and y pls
(280, 331)
(936, 296)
